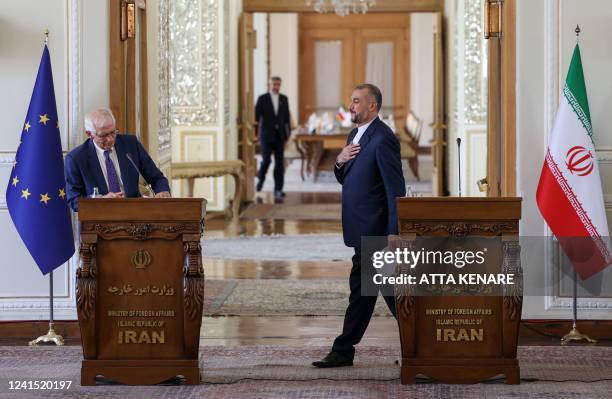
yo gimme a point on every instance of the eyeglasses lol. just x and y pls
(108, 135)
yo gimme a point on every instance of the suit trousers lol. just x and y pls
(360, 308)
(277, 147)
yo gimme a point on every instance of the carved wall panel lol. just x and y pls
(193, 58)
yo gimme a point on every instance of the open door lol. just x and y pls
(128, 66)
(247, 138)
(439, 124)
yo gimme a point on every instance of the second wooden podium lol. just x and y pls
(438, 333)
(140, 289)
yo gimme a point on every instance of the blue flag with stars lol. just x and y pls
(36, 193)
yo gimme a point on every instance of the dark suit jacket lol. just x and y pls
(271, 123)
(370, 184)
(83, 171)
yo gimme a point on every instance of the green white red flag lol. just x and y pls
(569, 193)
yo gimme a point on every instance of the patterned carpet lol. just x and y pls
(285, 372)
(280, 298)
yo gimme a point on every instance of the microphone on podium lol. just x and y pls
(459, 162)
(147, 185)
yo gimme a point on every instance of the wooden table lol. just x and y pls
(193, 170)
(319, 151)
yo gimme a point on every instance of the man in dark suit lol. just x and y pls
(103, 162)
(272, 114)
(370, 171)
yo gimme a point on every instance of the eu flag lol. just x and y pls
(36, 193)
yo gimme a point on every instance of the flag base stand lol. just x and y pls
(50, 336)
(575, 335)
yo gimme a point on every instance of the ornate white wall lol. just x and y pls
(197, 83)
(466, 95)
(81, 82)
(545, 41)
(192, 107)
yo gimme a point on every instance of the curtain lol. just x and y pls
(379, 70)
(328, 73)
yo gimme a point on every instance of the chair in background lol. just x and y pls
(409, 142)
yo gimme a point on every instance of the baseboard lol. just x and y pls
(531, 331)
(28, 330)
(555, 329)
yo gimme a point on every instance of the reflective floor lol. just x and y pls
(283, 330)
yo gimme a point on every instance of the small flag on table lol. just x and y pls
(569, 193)
(36, 193)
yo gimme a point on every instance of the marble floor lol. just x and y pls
(283, 330)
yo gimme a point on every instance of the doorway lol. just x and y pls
(321, 57)
(496, 22)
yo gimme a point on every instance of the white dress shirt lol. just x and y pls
(361, 130)
(102, 160)
(274, 97)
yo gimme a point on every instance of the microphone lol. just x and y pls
(147, 185)
(459, 162)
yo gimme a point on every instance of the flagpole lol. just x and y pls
(574, 334)
(50, 336)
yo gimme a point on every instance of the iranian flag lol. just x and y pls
(569, 192)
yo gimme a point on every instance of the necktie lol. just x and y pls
(111, 174)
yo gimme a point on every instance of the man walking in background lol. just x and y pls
(370, 171)
(272, 114)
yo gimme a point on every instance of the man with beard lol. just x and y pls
(370, 171)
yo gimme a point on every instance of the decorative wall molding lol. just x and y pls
(43, 303)
(604, 156)
(193, 28)
(474, 56)
(551, 57)
(226, 63)
(551, 65)
(468, 86)
(6, 161)
(75, 101)
(553, 79)
(15, 306)
(210, 140)
(587, 304)
(164, 134)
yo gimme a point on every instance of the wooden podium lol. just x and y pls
(140, 289)
(461, 356)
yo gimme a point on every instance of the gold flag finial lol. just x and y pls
(577, 30)
(46, 36)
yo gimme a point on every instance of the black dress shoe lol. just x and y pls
(334, 359)
(279, 194)
(259, 185)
